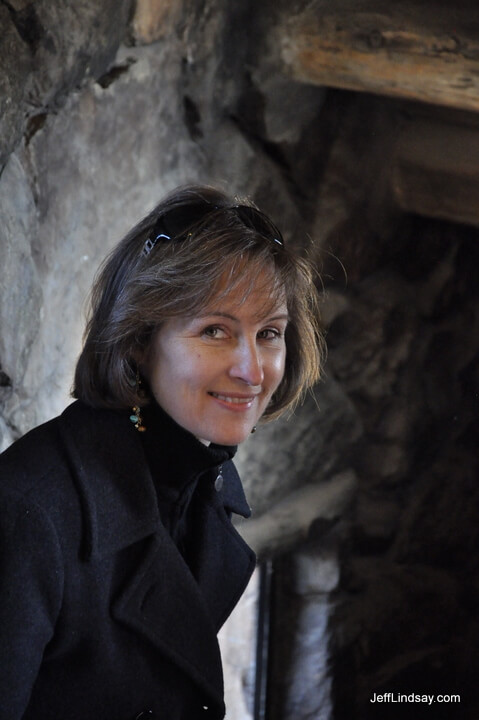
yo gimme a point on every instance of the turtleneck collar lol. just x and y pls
(175, 456)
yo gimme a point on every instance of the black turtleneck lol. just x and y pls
(180, 465)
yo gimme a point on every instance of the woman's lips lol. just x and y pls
(234, 402)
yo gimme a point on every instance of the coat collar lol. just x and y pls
(174, 456)
(113, 479)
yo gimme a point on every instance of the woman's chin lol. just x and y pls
(231, 437)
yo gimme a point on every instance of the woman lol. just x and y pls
(119, 561)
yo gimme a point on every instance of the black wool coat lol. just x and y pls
(100, 616)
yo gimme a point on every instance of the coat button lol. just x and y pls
(219, 482)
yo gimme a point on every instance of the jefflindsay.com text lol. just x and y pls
(396, 697)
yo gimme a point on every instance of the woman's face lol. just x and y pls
(215, 373)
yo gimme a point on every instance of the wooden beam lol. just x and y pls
(435, 169)
(426, 51)
(289, 521)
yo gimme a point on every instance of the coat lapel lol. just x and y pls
(222, 575)
(164, 605)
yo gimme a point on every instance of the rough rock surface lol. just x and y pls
(49, 50)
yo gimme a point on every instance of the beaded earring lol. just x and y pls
(135, 417)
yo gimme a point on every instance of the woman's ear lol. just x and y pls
(143, 357)
(139, 362)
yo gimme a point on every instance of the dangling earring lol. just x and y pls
(136, 418)
(253, 429)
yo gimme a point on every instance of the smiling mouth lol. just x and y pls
(233, 400)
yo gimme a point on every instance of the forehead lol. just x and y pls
(257, 288)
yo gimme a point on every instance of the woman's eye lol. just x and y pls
(269, 334)
(213, 331)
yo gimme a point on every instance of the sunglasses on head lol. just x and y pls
(176, 224)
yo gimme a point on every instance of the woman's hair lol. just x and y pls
(195, 246)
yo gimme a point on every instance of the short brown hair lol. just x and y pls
(140, 286)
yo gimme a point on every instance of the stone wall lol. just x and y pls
(75, 180)
(367, 498)
(378, 589)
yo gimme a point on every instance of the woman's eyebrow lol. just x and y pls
(217, 313)
(282, 316)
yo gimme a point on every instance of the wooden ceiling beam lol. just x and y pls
(435, 169)
(425, 51)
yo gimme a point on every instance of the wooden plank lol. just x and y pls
(426, 51)
(435, 170)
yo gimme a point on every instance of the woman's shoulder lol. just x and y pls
(38, 460)
(75, 471)
(38, 498)
(33, 453)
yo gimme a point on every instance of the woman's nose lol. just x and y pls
(247, 364)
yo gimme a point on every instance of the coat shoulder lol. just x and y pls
(35, 473)
(30, 460)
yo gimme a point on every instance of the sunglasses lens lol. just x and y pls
(179, 220)
(176, 223)
(261, 223)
